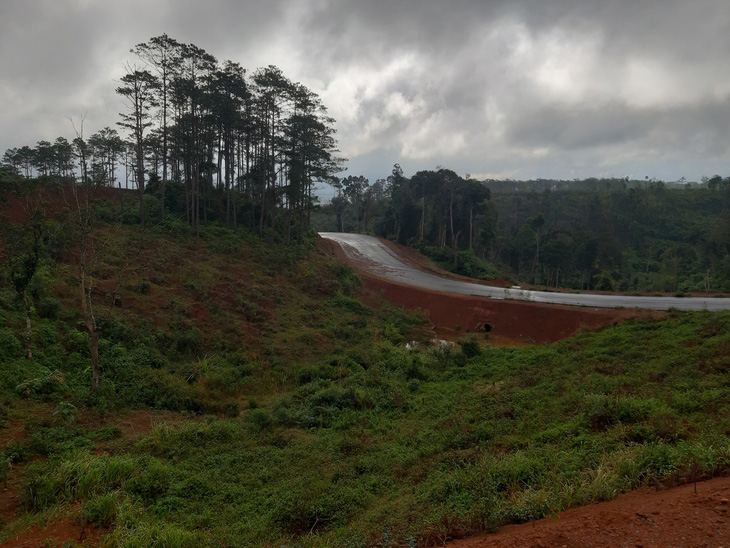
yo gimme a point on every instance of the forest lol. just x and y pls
(203, 139)
(607, 235)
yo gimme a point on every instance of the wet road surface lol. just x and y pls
(381, 261)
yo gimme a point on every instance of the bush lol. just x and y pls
(10, 347)
(152, 482)
(601, 411)
(470, 346)
(346, 277)
(46, 387)
(49, 307)
(340, 300)
(14, 453)
(101, 510)
(78, 341)
(47, 333)
(65, 413)
(259, 419)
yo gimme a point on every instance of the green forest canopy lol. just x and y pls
(605, 234)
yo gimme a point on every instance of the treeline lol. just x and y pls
(597, 235)
(635, 239)
(508, 186)
(437, 211)
(207, 139)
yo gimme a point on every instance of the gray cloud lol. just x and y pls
(557, 88)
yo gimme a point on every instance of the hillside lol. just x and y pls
(248, 397)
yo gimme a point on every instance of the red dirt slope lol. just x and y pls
(505, 321)
(647, 517)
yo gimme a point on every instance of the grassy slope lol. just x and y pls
(341, 436)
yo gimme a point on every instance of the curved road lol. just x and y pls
(386, 264)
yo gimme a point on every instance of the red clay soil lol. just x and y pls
(55, 534)
(57, 198)
(670, 518)
(502, 321)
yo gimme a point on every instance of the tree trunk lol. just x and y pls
(423, 215)
(28, 332)
(140, 179)
(455, 241)
(235, 219)
(88, 315)
(94, 360)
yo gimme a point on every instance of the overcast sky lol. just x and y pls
(494, 88)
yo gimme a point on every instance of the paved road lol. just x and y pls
(386, 264)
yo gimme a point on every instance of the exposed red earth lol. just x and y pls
(501, 321)
(676, 517)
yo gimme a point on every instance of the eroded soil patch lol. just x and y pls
(647, 517)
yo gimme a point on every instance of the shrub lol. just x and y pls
(340, 300)
(346, 277)
(152, 482)
(49, 307)
(101, 510)
(247, 308)
(470, 346)
(65, 413)
(46, 387)
(15, 452)
(259, 419)
(10, 346)
(47, 333)
(78, 341)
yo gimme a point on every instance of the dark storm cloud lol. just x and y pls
(652, 73)
(582, 126)
(701, 128)
(512, 87)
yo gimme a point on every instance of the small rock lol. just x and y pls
(723, 501)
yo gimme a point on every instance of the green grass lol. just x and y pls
(414, 446)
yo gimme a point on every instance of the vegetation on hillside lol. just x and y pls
(309, 422)
(373, 444)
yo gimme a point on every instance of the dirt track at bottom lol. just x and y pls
(670, 518)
